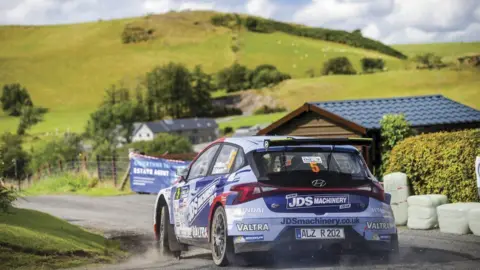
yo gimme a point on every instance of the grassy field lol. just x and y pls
(34, 240)
(67, 67)
(239, 121)
(74, 184)
(449, 51)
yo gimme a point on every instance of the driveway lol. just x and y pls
(130, 217)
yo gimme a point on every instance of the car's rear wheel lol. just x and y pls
(221, 244)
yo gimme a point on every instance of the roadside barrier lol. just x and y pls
(422, 211)
(454, 217)
(397, 185)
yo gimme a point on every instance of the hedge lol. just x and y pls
(439, 163)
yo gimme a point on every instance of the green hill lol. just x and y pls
(67, 67)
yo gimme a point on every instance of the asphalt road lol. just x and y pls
(130, 219)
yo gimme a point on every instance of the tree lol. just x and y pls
(30, 117)
(429, 60)
(394, 128)
(200, 103)
(14, 98)
(233, 78)
(338, 65)
(372, 64)
(163, 143)
(168, 90)
(13, 159)
(115, 94)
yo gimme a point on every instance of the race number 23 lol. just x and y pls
(314, 167)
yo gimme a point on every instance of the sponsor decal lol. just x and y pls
(345, 206)
(181, 192)
(295, 201)
(240, 212)
(385, 237)
(320, 221)
(379, 225)
(199, 232)
(252, 227)
(312, 159)
(204, 197)
(248, 238)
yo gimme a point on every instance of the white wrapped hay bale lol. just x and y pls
(422, 211)
(474, 221)
(453, 217)
(397, 185)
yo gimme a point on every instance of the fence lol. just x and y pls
(105, 168)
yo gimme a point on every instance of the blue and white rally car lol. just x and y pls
(250, 195)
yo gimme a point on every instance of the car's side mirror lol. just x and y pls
(182, 173)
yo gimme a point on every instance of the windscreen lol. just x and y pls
(300, 168)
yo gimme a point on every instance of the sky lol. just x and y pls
(390, 21)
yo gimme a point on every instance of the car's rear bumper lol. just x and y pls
(286, 241)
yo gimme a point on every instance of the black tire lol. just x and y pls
(163, 231)
(221, 244)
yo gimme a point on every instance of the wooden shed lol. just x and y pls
(361, 118)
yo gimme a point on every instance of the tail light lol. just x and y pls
(373, 190)
(252, 191)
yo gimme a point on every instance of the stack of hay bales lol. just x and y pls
(422, 211)
(397, 185)
(454, 217)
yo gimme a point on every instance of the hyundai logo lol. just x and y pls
(319, 183)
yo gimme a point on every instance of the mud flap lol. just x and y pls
(173, 243)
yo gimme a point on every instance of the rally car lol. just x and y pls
(253, 195)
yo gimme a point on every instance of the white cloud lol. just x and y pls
(28, 8)
(432, 15)
(476, 14)
(471, 33)
(413, 35)
(262, 8)
(158, 6)
(197, 5)
(371, 31)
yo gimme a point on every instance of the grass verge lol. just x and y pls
(74, 184)
(34, 240)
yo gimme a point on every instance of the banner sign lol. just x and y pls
(150, 174)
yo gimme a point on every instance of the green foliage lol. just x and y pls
(265, 109)
(64, 149)
(227, 130)
(372, 64)
(30, 117)
(429, 60)
(7, 197)
(355, 39)
(233, 78)
(161, 144)
(223, 111)
(339, 66)
(13, 159)
(266, 75)
(14, 98)
(394, 129)
(439, 163)
(136, 33)
(200, 103)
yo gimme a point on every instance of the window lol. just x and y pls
(225, 159)
(239, 161)
(200, 166)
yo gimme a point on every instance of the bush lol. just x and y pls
(430, 61)
(227, 130)
(265, 109)
(65, 149)
(266, 75)
(394, 128)
(135, 33)
(372, 64)
(13, 159)
(14, 98)
(338, 65)
(7, 197)
(162, 143)
(441, 163)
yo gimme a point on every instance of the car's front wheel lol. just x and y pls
(221, 244)
(166, 234)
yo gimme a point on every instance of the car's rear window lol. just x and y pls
(300, 168)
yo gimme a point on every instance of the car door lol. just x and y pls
(192, 196)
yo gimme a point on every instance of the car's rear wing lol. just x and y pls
(317, 141)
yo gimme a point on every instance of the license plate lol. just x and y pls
(319, 233)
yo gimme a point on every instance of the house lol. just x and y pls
(361, 118)
(197, 130)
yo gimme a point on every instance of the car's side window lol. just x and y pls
(200, 167)
(225, 159)
(239, 161)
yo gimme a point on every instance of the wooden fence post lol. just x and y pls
(114, 171)
(98, 168)
(60, 165)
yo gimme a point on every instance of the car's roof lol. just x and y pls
(250, 143)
